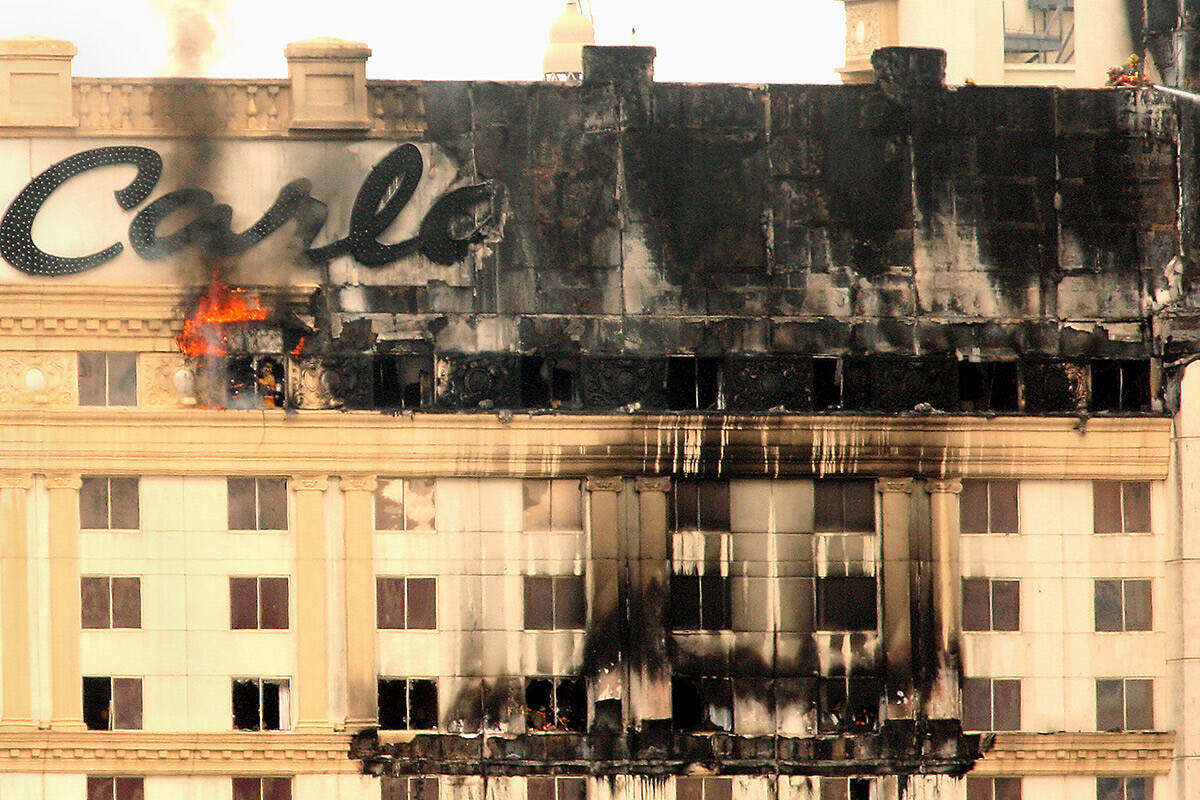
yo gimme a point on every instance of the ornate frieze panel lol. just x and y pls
(761, 384)
(38, 379)
(335, 382)
(478, 381)
(619, 382)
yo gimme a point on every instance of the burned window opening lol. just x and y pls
(700, 602)
(112, 703)
(110, 602)
(555, 704)
(408, 704)
(402, 380)
(847, 603)
(254, 381)
(827, 384)
(397, 787)
(261, 704)
(547, 382)
(107, 379)
(694, 383)
(848, 704)
(1120, 386)
(701, 703)
(989, 386)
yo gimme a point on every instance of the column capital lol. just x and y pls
(652, 483)
(359, 483)
(15, 480)
(310, 483)
(943, 485)
(607, 484)
(64, 480)
(894, 485)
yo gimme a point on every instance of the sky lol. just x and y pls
(747, 41)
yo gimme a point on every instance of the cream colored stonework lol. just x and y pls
(35, 82)
(59, 371)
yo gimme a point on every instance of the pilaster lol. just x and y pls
(649, 595)
(943, 702)
(14, 599)
(312, 677)
(895, 498)
(66, 687)
(605, 602)
(362, 709)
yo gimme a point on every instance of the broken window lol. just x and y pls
(555, 704)
(700, 505)
(988, 507)
(1123, 605)
(704, 789)
(991, 605)
(254, 382)
(701, 703)
(1121, 506)
(262, 789)
(406, 603)
(988, 386)
(846, 603)
(258, 604)
(1124, 704)
(1124, 788)
(110, 602)
(108, 379)
(554, 602)
(848, 703)
(261, 704)
(700, 602)
(556, 788)
(257, 504)
(402, 380)
(827, 384)
(547, 381)
(991, 704)
(115, 787)
(844, 506)
(396, 787)
(408, 703)
(552, 505)
(693, 383)
(1120, 385)
(109, 503)
(1054, 386)
(404, 504)
(112, 703)
(993, 788)
(845, 789)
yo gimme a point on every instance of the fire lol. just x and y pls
(203, 334)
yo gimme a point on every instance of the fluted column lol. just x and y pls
(607, 653)
(943, 523)
(648, 602)
(895, 496)
(14, 598)
(311, 641)
(362, 708)
(66, 686)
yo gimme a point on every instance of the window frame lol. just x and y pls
(724, 622)
(1124, 490)
(697, 684)
(389, 787)
(988, 487)
(111, 711)
(258, 603)
(111, 603)
(106, 379)
(256, 481)
(1124, 604)
(407, 626)
(985, 788)
(1122, 787)
(992, 585)
(284, 712)
(709, 787)
(993, 684)
(821, 586)
(556, 784)
(849, 688)
(108, 502)
(842, 524)
(376, 509)
(558, 620)
(556, 684)
(118, 787)
(261, 794)
(408, 702)
(1125, 704)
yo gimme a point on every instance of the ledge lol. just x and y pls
(148, 753)
(1088, 753)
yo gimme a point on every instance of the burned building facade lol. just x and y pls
(386, 439)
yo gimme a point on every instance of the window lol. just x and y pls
(402, 788)
(258, 604)
(257, 504)
(846, 604)
(1124, 789)
(555, 704)
(993, 788)
(109, 602)
(404, 505)
(262, 789)
(848, 704)
(109, 503)
(261, 704)
(1124, 704)
(844, 506)
(988, 507)
(547, 382)
(552, 505)
(991, 704)
(700, 506)
(1123, 605)
(1120, 385)
(115, 787)
(111, 704)
(554, 602)
(845, 789)
(556, 788)
(403, 380)
(700, 602)
(1121, 507)
(693, 383)
(991, 605)
(408, 703)
(988, 386)
(703, 789)
(108, 379)
(701, 703)
(406, 603)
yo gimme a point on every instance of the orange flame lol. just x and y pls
(203, 334)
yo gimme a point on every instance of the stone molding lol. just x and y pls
(148, 753)
(58, 369)
(309, 483)
(603, 484)
(64, 480)
(951, 486)
(358, 483)
(16, 480)
(894, 485)
(655, 483)
(209, 442)
(1084, 753)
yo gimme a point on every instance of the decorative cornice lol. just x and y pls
(358, 483)
(208, 442)
(148, 753)
(1086, 753)
(652, 483)
(894, 485)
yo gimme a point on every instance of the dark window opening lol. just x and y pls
(555, 704)
(701, 704)
(257, 504)
(408, 704)
(261, 704)
(107, 379)
(263, 789)
(109, 503)
(700, 505)
(109, 602)
(844, 506)
(846, 604)
(988, 386)
(848, 704)
(703, 789)
(700, 602)
(693, 383)
(555, 602)
(403, 788)
(112, 703)
(1120, 386)
(547, 382)
(402, 381)
(857, 389)
(827, 384)
(112, 787)
(254, 382)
